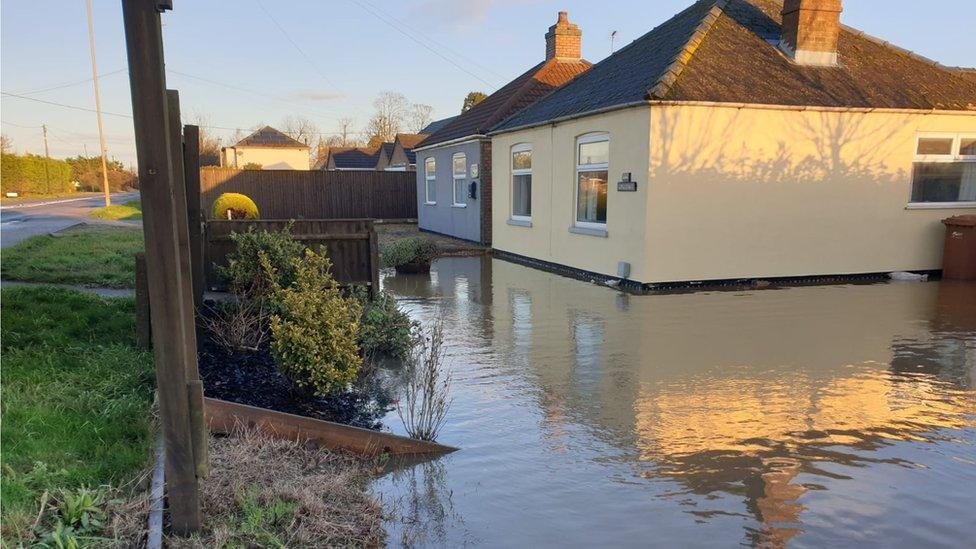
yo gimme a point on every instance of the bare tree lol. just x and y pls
(301, 129)
(420, 116)
(345, 137)
(391, 111)
(6, 144)
(210, 143)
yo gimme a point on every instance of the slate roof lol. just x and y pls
(528, 88)
(721, 51)
(386, 151)
(269, 137)
(353, 158)
(436, 125)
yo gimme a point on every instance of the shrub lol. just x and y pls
(246, 274)
(234, 206)
(253, 166)
(416, 249)
(238, 325)
(426, 397)
(32, 174)
(384, 328)
(314, 329)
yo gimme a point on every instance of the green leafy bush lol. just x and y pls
(32, 174)
(237, 206)
(262, 261)
(384, 328)
(253, 166)
(314, 329)
(416, 249)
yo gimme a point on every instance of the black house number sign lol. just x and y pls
(626, 184)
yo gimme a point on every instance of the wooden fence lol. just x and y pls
(350, 243)
(316, 194)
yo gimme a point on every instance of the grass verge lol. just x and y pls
(127, 211)
(88, 255)
(308, 498)
(77, 414)
(4, 199)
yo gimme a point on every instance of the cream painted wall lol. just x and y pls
(752, 193)
(728, 193)
(270, 158)
(553, 194)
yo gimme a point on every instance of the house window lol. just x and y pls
(945, 170)
(522, 182)
(592, 162)
(460, 163)
(430, 181)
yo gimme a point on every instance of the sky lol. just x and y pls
(242, 63)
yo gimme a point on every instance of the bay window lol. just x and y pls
(460, 171)
(430, 181)
(592, 163)
(522, 182)
(944, 172)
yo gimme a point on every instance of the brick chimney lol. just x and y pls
(564, 39)
(810, 31)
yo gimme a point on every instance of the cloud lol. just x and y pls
(457, 13)
(317, 96)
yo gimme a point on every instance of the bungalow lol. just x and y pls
(383, 156)
(268, 148)
(403, 158)
(454, 195)
(741, 139)
(352, 159)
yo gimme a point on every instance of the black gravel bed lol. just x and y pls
(250, 377)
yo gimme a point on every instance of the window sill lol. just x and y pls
(430, 203)
(520, 222)
(602, 233)
(939, 205)
(459, 205)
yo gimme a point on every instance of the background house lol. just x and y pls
(454, 185)
(352, 158)
(738, 140)
(269, 148)
(402, 157)
(383, 156)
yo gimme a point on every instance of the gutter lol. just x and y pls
(718, 104)
(458, 141)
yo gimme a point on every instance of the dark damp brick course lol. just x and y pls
(251, 378)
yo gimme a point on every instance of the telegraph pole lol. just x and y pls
(98, 101)
(47, 160)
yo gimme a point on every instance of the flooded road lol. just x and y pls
(803, 417)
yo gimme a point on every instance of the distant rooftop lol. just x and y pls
(272, 138)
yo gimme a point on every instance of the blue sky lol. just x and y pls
(234, 66)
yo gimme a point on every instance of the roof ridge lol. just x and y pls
(501, 113)
(886, 44)
(670, 75)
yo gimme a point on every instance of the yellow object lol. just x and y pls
(235, 206)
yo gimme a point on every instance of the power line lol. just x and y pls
(245, 90)
(70, 84)
(55, 103)
(378, 15)
(19, 125)
(297, 47)
(441, 45)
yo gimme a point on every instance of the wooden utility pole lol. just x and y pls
(47, 160)
(98, 102)
(164, 220)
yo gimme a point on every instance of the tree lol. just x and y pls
(301, 129)
(253, 166)
(344, 137)
(210, 143)
(472, 99)
(420, 116)
(391, 110)
(6, 144)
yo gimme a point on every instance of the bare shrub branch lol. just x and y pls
(425, 402)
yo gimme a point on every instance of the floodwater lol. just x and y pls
(817, 416)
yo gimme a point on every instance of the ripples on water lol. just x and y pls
(810, 416)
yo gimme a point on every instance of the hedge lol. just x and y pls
(26, 175)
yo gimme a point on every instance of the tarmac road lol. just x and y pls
(26, 219)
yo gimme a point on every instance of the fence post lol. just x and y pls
(374, 260)
(191, 176)
(144, 46)
(143, 325)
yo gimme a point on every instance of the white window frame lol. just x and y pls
(584, 168)
(430, 180)
(455, 177)
(521, 147)
(952, 157)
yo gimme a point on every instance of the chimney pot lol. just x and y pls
(564, 39)
(811, 29)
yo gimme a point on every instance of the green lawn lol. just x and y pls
(76, 400)
(127, 211)
(89, 255)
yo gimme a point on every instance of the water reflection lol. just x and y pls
(806, 416)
